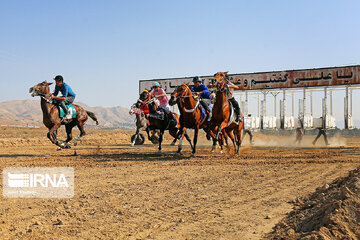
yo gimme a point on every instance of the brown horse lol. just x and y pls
(52, 120)
(159, 120)
(190, 113)
(223, 117)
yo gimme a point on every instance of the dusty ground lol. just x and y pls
(124, 192)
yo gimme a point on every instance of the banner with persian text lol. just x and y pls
(316, 77)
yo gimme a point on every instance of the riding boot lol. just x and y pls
(236, 109)
(207, 108)
(63, 106)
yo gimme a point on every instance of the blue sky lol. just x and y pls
(102, 48)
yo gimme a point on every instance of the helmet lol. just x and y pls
(156, 84)
(58, 78)
(196, 79)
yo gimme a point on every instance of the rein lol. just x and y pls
(188, 96)
(43, 96)
(193, 109)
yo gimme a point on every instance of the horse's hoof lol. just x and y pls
(172, 144)
(75, 143)
(221, 151)
(59, 148)
(132, 144)
(67, 146)
(178, 154)
(192, 154)
(159, 152)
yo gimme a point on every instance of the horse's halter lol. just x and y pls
(44, 96)
(182, 92)
(222, 86)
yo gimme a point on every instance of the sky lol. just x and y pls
(103, 48)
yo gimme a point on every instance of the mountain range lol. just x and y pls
(28, 112)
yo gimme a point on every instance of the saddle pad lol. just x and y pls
(203, 112)
(232, 116)
(71, 108)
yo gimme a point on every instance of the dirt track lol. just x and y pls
(134, 193)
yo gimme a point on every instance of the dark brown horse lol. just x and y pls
(52, 120)
(224, 118)
(190, 111)
(159, 120)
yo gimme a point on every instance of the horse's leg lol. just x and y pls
(136, 136)
(51, 133)
(225, 137)
(160, 139)
(195, 140)
(68, 128)
(180, 133)
(238, 136)
(229, 132)
(215, 138)
(188, 138)
(174, 134)
(221, 142)
(148, 133)
(222, 125)
(80, 125)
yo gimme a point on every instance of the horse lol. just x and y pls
(190, 113)
(51, 116)
(223, 117)
(142, 123)
(159, 120)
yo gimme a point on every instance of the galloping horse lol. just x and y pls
(223, 117)
(52, 120)
(190, 111)
(141, 122)
(159, 120)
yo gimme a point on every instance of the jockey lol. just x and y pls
(235, 104)
(68, 96)
(160, 94)
(144, 108)
(201, 89)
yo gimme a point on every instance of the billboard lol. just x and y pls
(316, 77)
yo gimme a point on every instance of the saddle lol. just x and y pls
(159, 114)
(71, 109)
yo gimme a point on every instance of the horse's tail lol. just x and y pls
(92, 116)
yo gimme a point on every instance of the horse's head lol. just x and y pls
(41, 89)
(220, 76)
(135, 110)
(180, 91)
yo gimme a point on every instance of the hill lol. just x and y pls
(28, 112)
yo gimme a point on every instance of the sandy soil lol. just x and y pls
(124, 192)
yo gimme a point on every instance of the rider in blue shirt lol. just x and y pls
(68, 96)
(201, 89)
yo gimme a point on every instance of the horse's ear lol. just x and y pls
(226, 72)
(49, 83)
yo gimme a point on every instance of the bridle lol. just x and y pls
(181, 96)
(44, 96)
